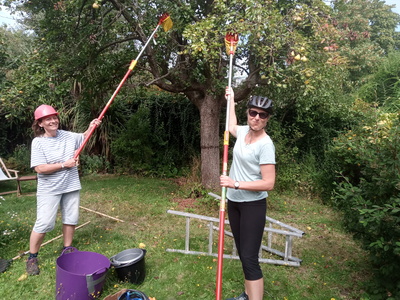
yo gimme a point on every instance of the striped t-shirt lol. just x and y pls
(52, 150)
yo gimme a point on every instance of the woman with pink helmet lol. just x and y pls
(52, 158)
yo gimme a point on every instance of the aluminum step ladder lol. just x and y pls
(286, 232)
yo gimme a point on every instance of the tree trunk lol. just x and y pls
(210, 110)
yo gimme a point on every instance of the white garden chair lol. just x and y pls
(7, 175)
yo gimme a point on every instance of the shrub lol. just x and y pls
(384, 86)
(288, 168)
(133, 149)
(91, 164)
(160, 138)
(368, 193)
(20, 159)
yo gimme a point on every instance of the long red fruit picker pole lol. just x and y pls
(166, 22)
(231, 40)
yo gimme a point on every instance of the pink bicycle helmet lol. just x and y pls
(44, 111)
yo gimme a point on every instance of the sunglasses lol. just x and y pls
(253, 113)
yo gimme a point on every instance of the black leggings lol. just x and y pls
(247, 221)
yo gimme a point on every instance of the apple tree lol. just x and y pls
(88, 45)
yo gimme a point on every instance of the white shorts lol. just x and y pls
(47, 207)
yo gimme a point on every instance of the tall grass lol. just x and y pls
(334, 266)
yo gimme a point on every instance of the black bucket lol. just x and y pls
(130, 265)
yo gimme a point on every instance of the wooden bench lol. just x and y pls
(24, 178)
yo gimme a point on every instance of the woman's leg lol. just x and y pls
(47, 207)
(68, 234)
(70, 215)
(254, 289)
(35, 241)
(252, 223)
(234, 222)
(46, 214)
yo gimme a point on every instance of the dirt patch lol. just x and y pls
(180, 181)
(183, 204)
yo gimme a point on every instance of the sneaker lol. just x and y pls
(32, 266)
(242, 296)
(68, 250)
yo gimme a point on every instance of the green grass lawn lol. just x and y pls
(333, 267)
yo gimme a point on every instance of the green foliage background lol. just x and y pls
(161, 136)
(365, 168)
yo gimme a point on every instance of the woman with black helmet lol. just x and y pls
(58, 179)
(251, 175)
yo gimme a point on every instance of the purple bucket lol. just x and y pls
(80, 275)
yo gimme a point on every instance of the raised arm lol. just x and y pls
(230, 96)
(94, 122)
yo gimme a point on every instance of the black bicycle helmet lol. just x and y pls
(133, 295)
(261, 102)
